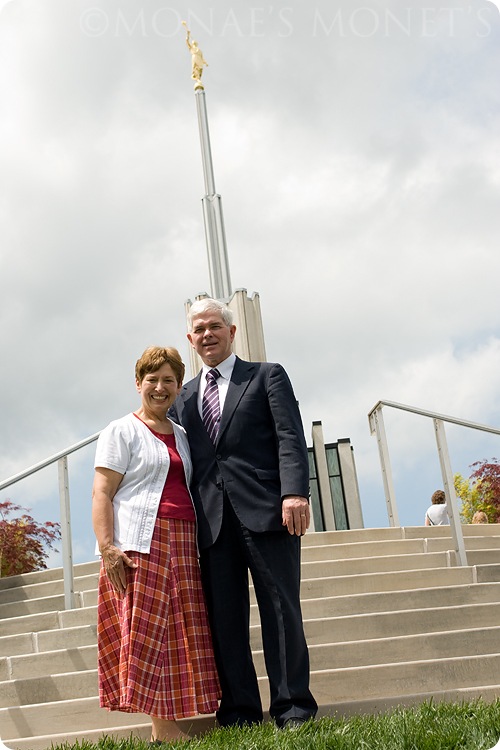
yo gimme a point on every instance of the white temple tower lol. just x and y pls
(249, 341)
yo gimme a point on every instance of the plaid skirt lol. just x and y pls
(154, 645)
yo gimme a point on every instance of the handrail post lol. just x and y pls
(449, 491)
(67, 552)
(377, 426)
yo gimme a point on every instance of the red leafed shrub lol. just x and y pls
(488, 475)
(24, 543)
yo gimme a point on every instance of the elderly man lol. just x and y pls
(250, 488)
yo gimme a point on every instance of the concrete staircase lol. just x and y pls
(389, 618)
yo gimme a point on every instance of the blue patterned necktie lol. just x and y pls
(210, 407)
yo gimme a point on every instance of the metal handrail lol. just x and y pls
(377, 428)
(67, 553)
(46, 462)
(436, 415)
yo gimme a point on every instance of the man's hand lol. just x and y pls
(114, 564)
(296, 514)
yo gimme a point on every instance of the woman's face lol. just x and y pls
(158, 390)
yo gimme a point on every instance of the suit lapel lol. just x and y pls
(243, 373)
(191, 418)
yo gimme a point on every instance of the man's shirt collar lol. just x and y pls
(225, 368)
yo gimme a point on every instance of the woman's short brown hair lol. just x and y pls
(438, 497)
(155, 357)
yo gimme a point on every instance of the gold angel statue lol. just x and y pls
(197, 59)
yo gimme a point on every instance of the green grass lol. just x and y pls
(430, 726)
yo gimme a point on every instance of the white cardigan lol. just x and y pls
(129, 447)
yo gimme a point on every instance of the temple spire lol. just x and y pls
(249, 343)
(218, 263)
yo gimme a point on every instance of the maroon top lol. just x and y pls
(175, 501)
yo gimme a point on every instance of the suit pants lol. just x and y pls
(273, 559)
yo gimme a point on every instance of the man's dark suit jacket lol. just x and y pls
(260, 454)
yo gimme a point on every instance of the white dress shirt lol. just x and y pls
(226, 370)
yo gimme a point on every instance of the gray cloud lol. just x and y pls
(356, 150)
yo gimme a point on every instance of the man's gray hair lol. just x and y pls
(206, 305)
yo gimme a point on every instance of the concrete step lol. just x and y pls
(24, 642)
(83, 712)
(46, 589)
(326, 581)
(48, 640)
(89, 736)
(310, 540)
(12, 610)
(440, 645)
(352, 536)
(322, 576)
(338, 558)
(328, 628)
(392, 563)
(23, 671)
(472, 543)
(330, 687)
(364, 565)
(390, 619)
(383, 548)
(324, 564)
(202, 725)
(62, 716)
(46, 663)
(365, 583)
(50, 574)
(318, 538)
(342, 654)
(312, 559)
(386, 563)
(316, 546)
(397, 580)
(487, 572)
(50, 625)
(353, 628)
(311, 567)
(326, 587)
(343, 685)
(48, 621)
(375, 705)
(60, 637)
(52, 687)
(313, 570)
(365, 548)
(391, 601)
(432, 532)
(483, 557)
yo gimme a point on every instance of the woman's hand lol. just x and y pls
(106, 482)
(115, 561)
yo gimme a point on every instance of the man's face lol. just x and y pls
(211, 338)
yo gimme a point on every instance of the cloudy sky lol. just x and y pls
(356, 146)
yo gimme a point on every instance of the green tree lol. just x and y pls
(481, 491)
(24, 543)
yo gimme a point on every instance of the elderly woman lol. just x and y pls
(154, 646)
